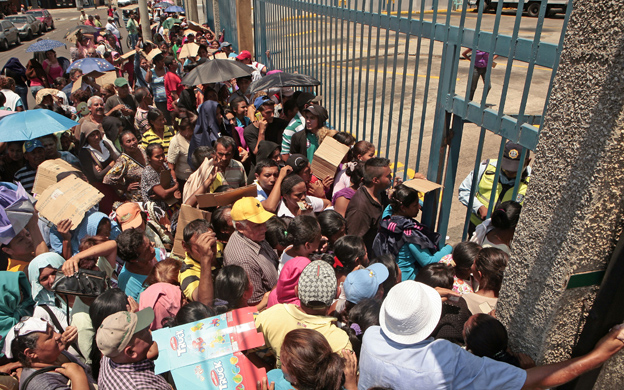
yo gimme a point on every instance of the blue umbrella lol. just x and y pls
(90, 64)
(31, 124)
(44, 45)
(174, 9)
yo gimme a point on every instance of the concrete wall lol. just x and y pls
(572, 214)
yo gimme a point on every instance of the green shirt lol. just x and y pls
(313, 144)
(132, 27)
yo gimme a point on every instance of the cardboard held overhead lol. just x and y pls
(70, 198)
(220, 56)
(227, 197)
(196, 27)
(422, 185)
(153, 53)
(47, 174)
(208, 354)
(188, 50)
(328, 157)
(187, 215)
(107, 78)
(128, 55)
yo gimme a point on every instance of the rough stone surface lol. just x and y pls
(572, 215)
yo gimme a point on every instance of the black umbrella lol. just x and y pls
(216, 71)
(84, 29)
(281, 80)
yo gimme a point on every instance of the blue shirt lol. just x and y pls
(430, 364)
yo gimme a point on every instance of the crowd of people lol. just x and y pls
(351, 290)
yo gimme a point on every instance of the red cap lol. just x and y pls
(244, 55)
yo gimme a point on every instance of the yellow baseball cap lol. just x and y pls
(250, 209)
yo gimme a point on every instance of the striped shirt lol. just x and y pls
(189, 276)
(135, 376)
(258, 259)
(296, 125)
(26, 176)
(150, 137)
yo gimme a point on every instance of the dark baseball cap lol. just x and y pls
(511, 157)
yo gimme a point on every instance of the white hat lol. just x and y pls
(410, 312)
(26, 325)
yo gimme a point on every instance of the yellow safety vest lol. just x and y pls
(484, 191)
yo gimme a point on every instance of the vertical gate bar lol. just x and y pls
(353, 113)
(309, 40)
(383, 85)
(510, 59)
(415, 84)
(341, 68)
(383, 98)
(488, 71)
(345, 88)
(330, 85)
(392, 88)
(448, 191)
(475, 43)
(334, 39)
(441, 123)
(427, 83)
(368, 56)
(554, 69)
(514, 195)
(359, 101)
(458, 46)
(496, 177)
(531, 69)
(400, 118)
(474, 184)
(324, 64)
(297, 39)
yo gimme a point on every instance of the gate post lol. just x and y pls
(573, 212)
(243, 22)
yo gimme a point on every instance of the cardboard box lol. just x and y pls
(153, 53)
(187, 214)
(47, 174)
(227, 197)
(106, 78)
(328, 157)
(421, 185)
(70, 198)
(188, 50)
(209, 350)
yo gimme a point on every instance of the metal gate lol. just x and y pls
(391, 74)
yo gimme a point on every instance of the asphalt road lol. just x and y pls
(64, 20)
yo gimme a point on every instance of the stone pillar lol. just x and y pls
(572, 215)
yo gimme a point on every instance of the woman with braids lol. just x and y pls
(413, 243)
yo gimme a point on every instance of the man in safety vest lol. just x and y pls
(510, 165)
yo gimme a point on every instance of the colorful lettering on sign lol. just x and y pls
(181, 344)
(218, 376)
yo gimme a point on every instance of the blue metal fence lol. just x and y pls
(390, 73)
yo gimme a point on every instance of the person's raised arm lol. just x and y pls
(35, 234)
(272, 201)
(107, 249)
(204, 293)
(203, 188)
(552, 375)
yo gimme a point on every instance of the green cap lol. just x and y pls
(120, 82)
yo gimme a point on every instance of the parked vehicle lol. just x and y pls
(123, 3)
(532, 7)
(8, 35)
(27, 25)
(44, 17)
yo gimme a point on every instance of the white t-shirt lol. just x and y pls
(283, 260)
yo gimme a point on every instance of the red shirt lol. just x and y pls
(173, 83)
